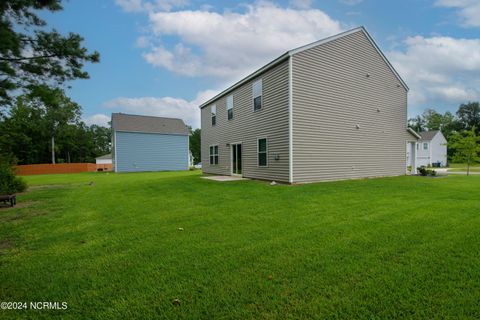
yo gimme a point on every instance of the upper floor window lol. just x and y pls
(214, 114)
(262, 152)
(425, 146)
(230, 107)
(257, 95)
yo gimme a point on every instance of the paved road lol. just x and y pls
(446, 171)
(460, 172)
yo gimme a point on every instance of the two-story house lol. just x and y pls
(334, 109)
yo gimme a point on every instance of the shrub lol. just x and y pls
(9, 182)
(422, 170)
(426, 172)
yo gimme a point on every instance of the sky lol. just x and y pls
(166, 57)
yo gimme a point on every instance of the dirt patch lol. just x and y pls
(6, 244)
(48, 186)
(19, 205)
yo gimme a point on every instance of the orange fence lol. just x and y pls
(28, 169)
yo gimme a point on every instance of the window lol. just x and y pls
(214, 114)
(262, 152)
(230, 107)
(213, 155)
(257, 95)
(418, 146)
(425, 146)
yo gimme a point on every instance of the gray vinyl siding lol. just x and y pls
(331, 95)
(150, 152)
(247, 126)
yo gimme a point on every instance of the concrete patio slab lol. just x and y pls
(224, 178)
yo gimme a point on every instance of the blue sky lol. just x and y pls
(165, 57)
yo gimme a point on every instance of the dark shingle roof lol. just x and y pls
(105, 156)
(148, 124)
(428, 135)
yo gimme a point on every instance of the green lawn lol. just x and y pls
(405, 247)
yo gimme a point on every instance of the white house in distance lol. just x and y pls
(104, 163)
(431, 148)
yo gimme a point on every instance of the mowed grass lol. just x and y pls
(110, 246)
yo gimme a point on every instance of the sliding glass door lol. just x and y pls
(236, 159)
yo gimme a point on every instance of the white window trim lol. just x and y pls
(261, 95)
(211, 115)
(266, 152)
(226, 103)
(425, 144)
(213, 154)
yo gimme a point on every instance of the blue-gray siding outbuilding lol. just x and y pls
(150, 152)
(145, 143)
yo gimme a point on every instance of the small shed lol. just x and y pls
(104, 163)
(146, 143)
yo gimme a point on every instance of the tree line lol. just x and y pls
(456, 127)
(45, 127)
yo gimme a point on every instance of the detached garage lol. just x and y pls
(143, 143)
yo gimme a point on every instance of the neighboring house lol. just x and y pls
(334, 109)
(431, 149)
(104, 163)
(142, 143)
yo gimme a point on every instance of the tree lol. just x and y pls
(417, 123)
(467, 146)
(433, 119)
(36, 56)
(9, 182)
(195, 146)
(23, 134)
(31, 123)
(469, 115)
(58, 110)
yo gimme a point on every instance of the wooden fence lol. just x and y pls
(29, 169)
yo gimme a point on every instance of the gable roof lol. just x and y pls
(292, 52)
(428, 135)
(105, 157)
(148, 124)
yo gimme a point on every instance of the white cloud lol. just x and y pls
(142, 42)
(130, 5)
(439, 69)
(170, 107)
(229, 45)
(301, 4)
(468, 10)
(98, 119)
(141, 5)
(351, 2)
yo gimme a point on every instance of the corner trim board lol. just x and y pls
(290, 121)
